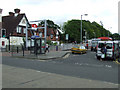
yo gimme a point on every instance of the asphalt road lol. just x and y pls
(76, 65)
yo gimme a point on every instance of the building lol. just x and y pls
(14, 27)
(52, 34)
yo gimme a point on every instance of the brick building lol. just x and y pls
(14, 26)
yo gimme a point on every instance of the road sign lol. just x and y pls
(34, 25)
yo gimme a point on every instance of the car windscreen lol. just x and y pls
(82, 47)
(100, 45)
(75, 46)
(109, 46)
(94, 43)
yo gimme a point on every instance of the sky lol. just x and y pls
(61, 11)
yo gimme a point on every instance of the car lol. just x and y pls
(78, 49)
(112, 49)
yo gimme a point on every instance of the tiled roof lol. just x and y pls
(11, 22)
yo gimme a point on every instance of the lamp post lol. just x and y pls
(81, 25)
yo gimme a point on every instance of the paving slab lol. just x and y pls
(15, 77)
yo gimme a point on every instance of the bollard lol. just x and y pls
(23, 50)
(56, 48)
(12, 50)
(17, 49)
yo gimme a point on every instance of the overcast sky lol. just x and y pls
(63, 10)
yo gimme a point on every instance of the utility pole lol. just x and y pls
(81, 26)
(45, 32)
(26, 35)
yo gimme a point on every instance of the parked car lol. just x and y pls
(112, 49)
(79, 49)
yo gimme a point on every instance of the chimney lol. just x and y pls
(17, 11)
(11, 13)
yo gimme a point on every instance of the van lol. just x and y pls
(119, 47)
(94, 44)
(112, 49)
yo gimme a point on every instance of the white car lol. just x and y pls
(112, 49)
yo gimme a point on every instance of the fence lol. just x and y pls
(21, 51)
(61, 47)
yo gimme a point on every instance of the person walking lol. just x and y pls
(104, 52)
(47, 48)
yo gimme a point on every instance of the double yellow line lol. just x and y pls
(116, 61)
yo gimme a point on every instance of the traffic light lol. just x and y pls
(3, 32)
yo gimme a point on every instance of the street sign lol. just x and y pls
(34, 26)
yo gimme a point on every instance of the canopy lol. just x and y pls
(105, 38)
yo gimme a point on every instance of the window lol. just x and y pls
(51, 36)
(101, 45)
(109, 46)
(34, 33)
(19, 29)
(24, 30)
(40, 34)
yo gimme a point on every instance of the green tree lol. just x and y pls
(94, 30)
(116, 36)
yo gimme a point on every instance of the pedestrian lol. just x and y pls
(87, 45)
(47, 48)
(104, 52)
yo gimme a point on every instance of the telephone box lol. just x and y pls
(37, 45)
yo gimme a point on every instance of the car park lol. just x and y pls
(78, 49)
(112, 49)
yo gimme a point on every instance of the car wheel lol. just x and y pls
(72, 52)
(114, 58)
(98, 57)
(91, 49)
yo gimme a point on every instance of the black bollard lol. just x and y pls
(23, 50)
(17, 50)
(56, 48)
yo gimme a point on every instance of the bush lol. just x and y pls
(55, 44)
(49, 42)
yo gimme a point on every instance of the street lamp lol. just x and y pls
(81, 25)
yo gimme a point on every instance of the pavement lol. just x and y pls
(47, 56)
(16, 77)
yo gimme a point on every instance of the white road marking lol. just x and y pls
(108, 66)
(86, 64)
(111, 83)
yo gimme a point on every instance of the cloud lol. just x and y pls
(62, 10)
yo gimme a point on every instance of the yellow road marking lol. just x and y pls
(116, 61)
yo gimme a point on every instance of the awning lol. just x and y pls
(105, 38)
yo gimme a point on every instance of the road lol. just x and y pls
(84, 66)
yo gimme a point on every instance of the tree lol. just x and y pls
(116, 36)
(94, 30)
(50, 24)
